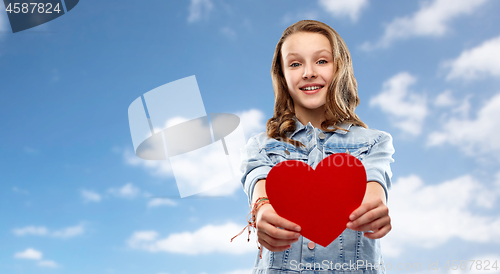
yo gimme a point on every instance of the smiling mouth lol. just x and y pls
(311, 88)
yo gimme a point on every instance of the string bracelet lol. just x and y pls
(251, 219)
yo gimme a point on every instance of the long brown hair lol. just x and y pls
(342, 96)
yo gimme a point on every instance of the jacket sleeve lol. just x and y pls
(377, 161)
(255, 165)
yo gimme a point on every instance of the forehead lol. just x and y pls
(302, 43)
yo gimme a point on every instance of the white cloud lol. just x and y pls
(199, 9)
(64, 233)
(56, 76)
(160, 168)
(226, 189)
(20, 190)
(432, 19)
(477, 62)
(445, 99)
(142, 236)
(31, 230)
(30, 150)
(47, 263)
(128, 191)
(207, 239)
(213, 176)
(252, 121)
(477, 136)
(341, 8)
(69, 232)
(33, 254)
(29, 253)
(190, 181)
(156, 202)
(406, 110)
(172, 122)
(90, 196)
(427, 215)
(228, 32)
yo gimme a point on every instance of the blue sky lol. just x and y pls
(75, 199)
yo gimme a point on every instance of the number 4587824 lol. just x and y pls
(32, 8)
(474, 264)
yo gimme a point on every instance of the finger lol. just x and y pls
(373, 225)
(275, 242)
(369, 216)
(279, 221)
(277, 234)
(380, 233)
(273, 248)
(362, 209)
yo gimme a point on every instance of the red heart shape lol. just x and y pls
(320, 200)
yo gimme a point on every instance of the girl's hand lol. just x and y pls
(372, 214)
(268, 233)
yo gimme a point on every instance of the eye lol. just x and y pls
(294, 65)
(321, 62)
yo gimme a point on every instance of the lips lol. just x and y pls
(311, 88)
(311, 85)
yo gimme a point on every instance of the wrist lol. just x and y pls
(262, 207)
(261, 201)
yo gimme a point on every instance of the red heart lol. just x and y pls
(320, 200)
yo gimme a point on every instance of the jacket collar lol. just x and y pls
(299, 126)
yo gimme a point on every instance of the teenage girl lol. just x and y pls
(315, 98)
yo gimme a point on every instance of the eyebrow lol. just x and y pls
(317, 52)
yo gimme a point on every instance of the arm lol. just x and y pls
(268, 221)
(373, 214)
(255, 167)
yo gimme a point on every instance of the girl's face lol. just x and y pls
(308, 69)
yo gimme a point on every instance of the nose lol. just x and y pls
(309, 71)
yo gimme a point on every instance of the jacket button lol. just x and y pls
(287, 152)
(311, 245)
(321, 135)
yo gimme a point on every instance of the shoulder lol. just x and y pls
(263, 142)
(259, 141)
(369, 135)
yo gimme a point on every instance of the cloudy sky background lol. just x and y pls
(75, 199)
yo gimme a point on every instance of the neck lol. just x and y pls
(316, 117)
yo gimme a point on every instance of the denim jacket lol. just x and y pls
(351, 252)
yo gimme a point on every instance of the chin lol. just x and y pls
(314, 106)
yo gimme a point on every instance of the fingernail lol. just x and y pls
(349, 223)
(297, 228)
(296, 235)
(351, 217)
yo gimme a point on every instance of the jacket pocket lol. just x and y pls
(283, 152)
(356, 150)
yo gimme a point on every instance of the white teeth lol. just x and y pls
(311, 88)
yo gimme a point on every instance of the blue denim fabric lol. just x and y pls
(351, 252)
